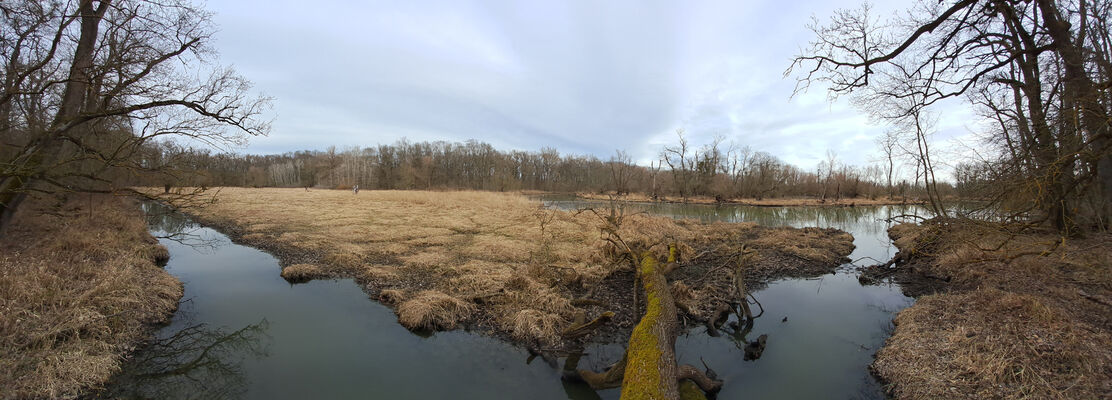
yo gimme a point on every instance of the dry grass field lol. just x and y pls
(79, 288)
(498, 262)
(1018, 316)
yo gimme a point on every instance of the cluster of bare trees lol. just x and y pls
(713, 169)
(1041, 70)
(726, 170)
(87, 85)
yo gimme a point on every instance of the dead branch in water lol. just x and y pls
(582, 328)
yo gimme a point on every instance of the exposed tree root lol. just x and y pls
(705, 383)
(582, 328)
(609, 379)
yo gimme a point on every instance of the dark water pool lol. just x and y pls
(244, 332)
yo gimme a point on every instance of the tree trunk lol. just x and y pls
(45, 145)
(1081, 91)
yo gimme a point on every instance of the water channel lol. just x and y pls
(243, 332)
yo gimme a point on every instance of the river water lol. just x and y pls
(243, 332)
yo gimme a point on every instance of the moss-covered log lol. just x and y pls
(650, 370)
(651, 356)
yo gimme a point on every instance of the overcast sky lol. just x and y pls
(583, 77)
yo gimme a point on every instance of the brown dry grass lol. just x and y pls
(516, 262)
(302, 272)
(824, 245)
(433, 310)
(1022, 316)
(77, 291)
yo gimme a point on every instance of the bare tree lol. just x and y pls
(1048, 60)
(116, 76)
(677, 159)
(888, 145)
(826, 171)
(920, 128)
(621, 171)
(332, 161)
(708, 162)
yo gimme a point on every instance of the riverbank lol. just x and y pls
(1002, 313)
(79, 289)
(501, 263)
(766, 202)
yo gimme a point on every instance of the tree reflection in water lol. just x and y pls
(167, 224)
(197, 362)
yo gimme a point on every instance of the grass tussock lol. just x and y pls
(493, 259)
(433, 310)
(1021, 314)
(79, 287)
(536, 325)
(298, 273)
(391, 296)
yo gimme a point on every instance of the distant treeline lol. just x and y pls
(710, 170)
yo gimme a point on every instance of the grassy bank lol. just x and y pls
(500, 262)
(765, 202)
(79, 288)
(1002, 315)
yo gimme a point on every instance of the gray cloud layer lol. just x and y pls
(584, 77)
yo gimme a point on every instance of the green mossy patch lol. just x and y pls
(642, 377)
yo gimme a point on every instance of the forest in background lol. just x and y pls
(715, 169)
(97, 93)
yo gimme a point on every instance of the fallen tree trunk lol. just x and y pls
(650, 370)
(651, 357)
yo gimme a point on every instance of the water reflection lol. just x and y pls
(169, 225)
(196, 362)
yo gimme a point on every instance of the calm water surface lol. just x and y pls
(834, 325)
(244, 332)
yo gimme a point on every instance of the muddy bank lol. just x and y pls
(1003, 312)
(80, 287)
(501, 264)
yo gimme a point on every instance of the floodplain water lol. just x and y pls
(242, 331)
